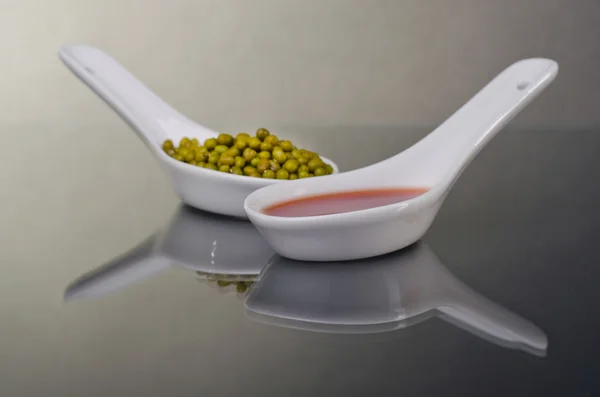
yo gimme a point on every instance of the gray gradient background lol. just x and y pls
(391, 62)
(357, 80)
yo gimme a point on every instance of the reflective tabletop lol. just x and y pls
(137, 294)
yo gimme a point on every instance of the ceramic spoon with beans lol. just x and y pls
(154, 121)
(434, 163)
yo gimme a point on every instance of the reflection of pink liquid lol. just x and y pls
(336, 203)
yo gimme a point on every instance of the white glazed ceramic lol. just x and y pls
(195, 240)
(434, 162)
(383, 294)
(154, 121)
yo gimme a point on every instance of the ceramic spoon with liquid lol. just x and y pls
(432, 164)
(154, 121)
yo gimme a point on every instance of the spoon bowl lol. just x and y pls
(435, 163)
(154, 121)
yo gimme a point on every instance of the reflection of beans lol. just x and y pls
(242, 282)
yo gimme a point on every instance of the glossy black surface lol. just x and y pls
(520, 230)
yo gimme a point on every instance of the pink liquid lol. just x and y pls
(337, 203)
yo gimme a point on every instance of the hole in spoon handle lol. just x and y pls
(151, 117)
(451, 146)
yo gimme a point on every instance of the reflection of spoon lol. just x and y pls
(154, 121)
(435, 162)
(139, 263)
(381, 294)
(339, 328)
(196, 240)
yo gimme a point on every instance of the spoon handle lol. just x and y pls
(451, 146)
(134, 266)
(481, 316)
(152, 118)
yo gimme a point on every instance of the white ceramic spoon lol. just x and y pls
(434, 162)
(154, 121)
(383, 294)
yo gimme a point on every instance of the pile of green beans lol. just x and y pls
(259, 156)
